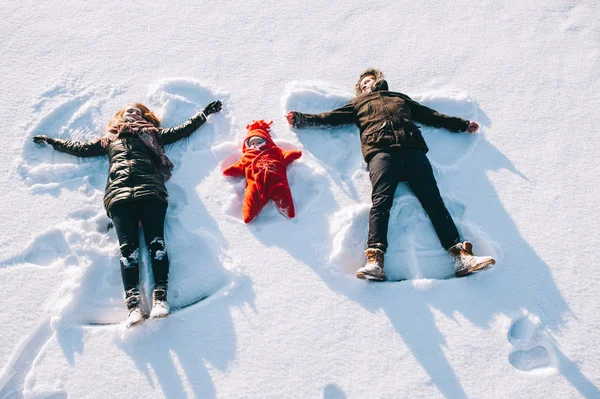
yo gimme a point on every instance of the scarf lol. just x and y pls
(149, 134)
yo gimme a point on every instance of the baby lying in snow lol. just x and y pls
(264, 165)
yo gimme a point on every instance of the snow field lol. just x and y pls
(285, 316)
(330, 185)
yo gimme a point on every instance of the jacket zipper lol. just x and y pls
(128, 147)
(391, 122)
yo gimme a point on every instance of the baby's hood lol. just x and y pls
(259, 128)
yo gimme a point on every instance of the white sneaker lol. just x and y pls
(136, 316)
(136, 312)
(160, 306)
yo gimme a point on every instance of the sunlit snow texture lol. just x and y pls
(272, 309)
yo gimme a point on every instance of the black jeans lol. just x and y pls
(126, 218)
(411, 165)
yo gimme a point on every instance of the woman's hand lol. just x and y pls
(213, 108)
(473, 127)
(41, 139)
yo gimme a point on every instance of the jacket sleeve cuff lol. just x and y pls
(299, 119)
(201, 116)
(466, 125)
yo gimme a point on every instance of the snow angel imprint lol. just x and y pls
(136, 193)
(264, 165)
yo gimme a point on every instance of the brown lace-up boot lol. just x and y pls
(373, 270)
(465, 262)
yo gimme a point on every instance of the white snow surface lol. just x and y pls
(284, 316)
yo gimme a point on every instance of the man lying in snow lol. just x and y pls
(394, 149)
(264, 165)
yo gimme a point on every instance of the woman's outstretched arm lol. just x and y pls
(78, 148)
(184, 130)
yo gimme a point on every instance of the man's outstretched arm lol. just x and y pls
(341, 116)
(431, 117)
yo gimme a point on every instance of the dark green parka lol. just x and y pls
(385, 119)
(133, 173)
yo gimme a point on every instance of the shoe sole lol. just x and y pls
(477, 268)
(137, 323)
(365, 276)
(160, 316)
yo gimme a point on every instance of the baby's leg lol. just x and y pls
(252, 204)
(282, 196)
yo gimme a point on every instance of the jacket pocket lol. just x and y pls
(380, 138)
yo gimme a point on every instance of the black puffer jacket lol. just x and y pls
(133, 173)
(385, 120)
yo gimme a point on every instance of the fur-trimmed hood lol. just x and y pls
(380, 82)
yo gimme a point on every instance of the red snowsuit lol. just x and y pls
(265, 170)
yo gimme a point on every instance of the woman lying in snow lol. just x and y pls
(264, 165)
(136, 193)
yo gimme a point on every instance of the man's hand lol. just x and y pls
(291, 116)
(40, 139)
(213, 107)
(473, 127)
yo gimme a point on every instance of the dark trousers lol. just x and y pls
(127, 217)
(411, 165)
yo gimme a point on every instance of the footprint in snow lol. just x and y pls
(532, 347)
